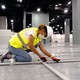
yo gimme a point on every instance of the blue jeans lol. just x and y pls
(20, 54)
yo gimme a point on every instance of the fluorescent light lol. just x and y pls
(56, 29)
(69, 3)
(3, 6)
(58, 25)
(38, 9)
(50, 5)
(56, 5)
(61, 27)
(53, 27)
(12, 21)
(19, 0)
(59, 4)
(57, 16)
(53, 19)
(66, 10)
(30, 24)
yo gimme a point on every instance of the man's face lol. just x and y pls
(42, 34)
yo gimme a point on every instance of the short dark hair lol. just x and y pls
(42, 26)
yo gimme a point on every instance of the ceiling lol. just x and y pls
(12, 6)
(55, 8)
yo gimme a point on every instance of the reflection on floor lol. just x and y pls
(64, 51)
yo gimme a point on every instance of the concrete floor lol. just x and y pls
(70, 70)
(26, 72)
(65, 52)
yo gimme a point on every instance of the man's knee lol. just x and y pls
(21, 59)
(29, 59)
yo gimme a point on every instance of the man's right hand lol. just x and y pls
(55, 59)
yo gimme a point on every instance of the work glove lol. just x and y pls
(43, 59)
(55, 59)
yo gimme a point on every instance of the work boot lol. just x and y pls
(7, 55)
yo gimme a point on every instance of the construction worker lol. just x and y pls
(27, 40)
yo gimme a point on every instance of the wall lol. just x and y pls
(40, 18)
(3, 22)
(5, 35)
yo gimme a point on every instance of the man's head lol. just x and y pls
(44, 31)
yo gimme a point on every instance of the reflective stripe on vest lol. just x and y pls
(24, 45)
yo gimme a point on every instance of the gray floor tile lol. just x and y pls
(70, 70)
(26, 72)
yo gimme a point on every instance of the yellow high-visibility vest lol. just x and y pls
(16, 43)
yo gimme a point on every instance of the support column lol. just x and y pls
(40, 18)
(3, 22)
(76, 21)
(67, 30)
(24, 19)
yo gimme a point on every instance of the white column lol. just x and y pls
(67, 29)
(24, 19)
(76, 21)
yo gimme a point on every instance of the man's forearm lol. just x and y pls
(33, 49)
(45, 52)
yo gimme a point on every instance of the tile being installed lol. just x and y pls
(26, 72)
(70, 70)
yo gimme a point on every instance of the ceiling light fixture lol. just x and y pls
(65, 10)
(69, 3)
(57, 16)
(53, 27)
(59, 4)
(19, 0)
(38, 9)
(61, 27)
(30, 24)
(56, 5)
(3, 6)
(53, 19)
(58, 25)
(12, 20)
